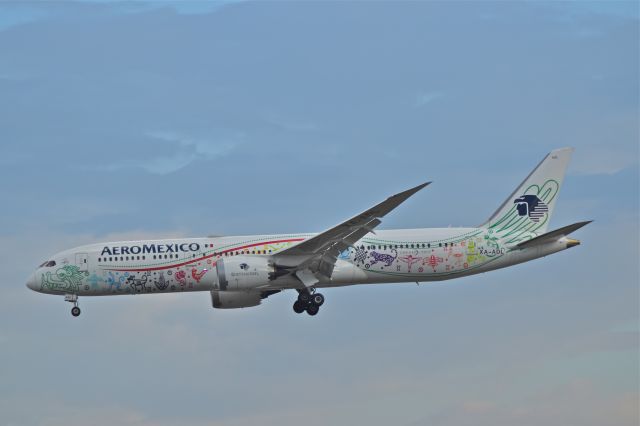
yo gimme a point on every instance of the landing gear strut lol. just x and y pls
(73, 298)
(309, 301)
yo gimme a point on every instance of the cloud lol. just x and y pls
(564, 404)
(188, 150)
(194, 7)
(14, 14)
(12, 77)
(425, 98)
(602, 160)
(289, 124)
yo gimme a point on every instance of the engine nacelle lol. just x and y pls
(243, 273)
(234, 299)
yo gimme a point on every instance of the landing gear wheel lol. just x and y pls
(304, 297)
(75, 311)
(317, 299)
(299, 307)
(313, 309)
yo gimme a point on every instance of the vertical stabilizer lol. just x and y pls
(528, 209)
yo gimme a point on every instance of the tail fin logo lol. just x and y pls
(532, 206)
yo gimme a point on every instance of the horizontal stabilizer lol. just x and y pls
(553, 235)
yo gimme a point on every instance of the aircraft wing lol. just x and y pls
(318, 254)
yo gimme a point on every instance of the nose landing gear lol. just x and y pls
(73, 298)
(308, 301)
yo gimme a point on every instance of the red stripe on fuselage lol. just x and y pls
(198, 259)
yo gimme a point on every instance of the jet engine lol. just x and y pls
(235, 299)
(238, 299)
(244, 273)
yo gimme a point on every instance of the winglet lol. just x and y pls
(409, 192)
(394, 201)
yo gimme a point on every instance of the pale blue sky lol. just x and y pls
(153, 119)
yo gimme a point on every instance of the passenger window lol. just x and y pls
(428, 245)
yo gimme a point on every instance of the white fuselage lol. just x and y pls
(176, 265)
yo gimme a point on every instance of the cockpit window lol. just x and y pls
(48, 264)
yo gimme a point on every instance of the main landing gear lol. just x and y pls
(73, 298)
(308, 301)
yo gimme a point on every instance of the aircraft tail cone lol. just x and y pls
(572, 243)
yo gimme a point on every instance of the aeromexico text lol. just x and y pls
(150, 248)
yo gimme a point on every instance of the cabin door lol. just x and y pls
(82, 261)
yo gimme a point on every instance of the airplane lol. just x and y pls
(242, 271)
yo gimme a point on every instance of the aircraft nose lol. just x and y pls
(31, 282)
